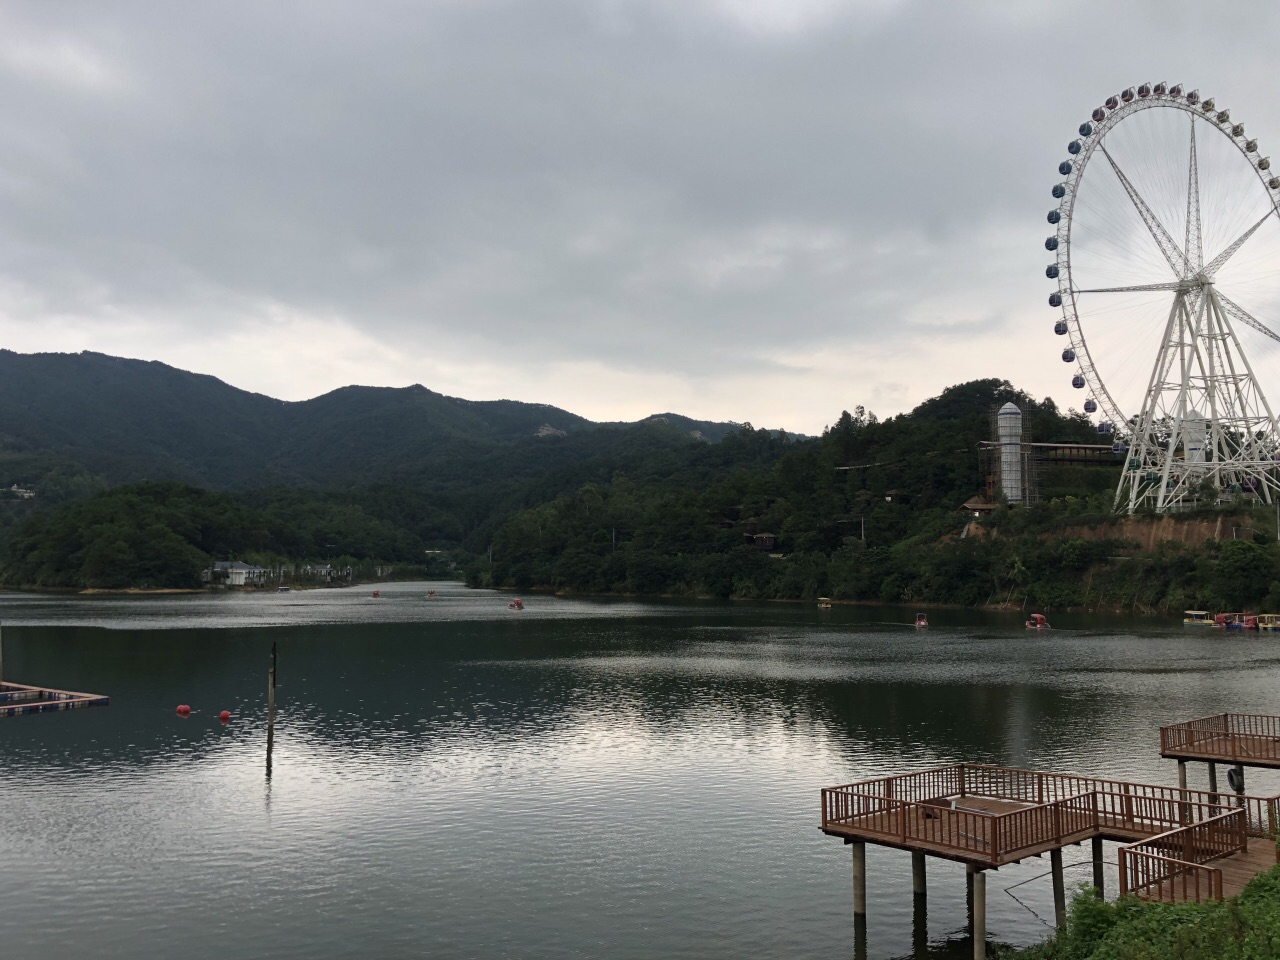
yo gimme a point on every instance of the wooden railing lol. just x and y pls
(1229, 736)
(1142, 804)
(1166, 879)
(929, 807)
(921, 785)
(1253, 725)
(966, 832)
(1172, 866)
(1057, 823)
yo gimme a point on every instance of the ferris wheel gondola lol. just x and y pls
(1166, 265)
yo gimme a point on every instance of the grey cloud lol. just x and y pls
(653, 186)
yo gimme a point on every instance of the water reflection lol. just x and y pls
(577, 780)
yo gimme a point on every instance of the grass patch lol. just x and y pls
(1246, 927)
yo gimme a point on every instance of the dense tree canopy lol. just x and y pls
(867, 511)
(164, 535)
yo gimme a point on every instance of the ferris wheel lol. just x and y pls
(1167, 264)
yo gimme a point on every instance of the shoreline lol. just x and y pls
(570, 594)
(921, 604)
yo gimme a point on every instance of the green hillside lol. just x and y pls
(522, 495)
(127, 420)
(868, 511)
(74, 423)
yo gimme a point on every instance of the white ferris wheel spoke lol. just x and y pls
(1239, 313)
(1193, 245)
(1139, 288)
(1216, 264)
(1203, 426)
(1177, 261)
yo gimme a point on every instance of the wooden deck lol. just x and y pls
(1177, 881)
(1239, 869)
(1252, 740)
(991, 816)
(17, 699)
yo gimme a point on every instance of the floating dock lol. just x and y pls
(17, 699)
(1178, 844)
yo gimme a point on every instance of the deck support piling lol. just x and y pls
(1097, 867)
(859, 849)
(919, 926)
(917, 873)
(1239, 779)
(271, 708)
(1213, 782)
(1059, 889)
(1184, 812)
(979, 881)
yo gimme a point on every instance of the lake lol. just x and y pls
(583, 778)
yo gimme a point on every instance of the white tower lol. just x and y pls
(1009, 430)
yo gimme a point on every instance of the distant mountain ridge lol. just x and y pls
(128, 420)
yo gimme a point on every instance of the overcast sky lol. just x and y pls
(764, 210)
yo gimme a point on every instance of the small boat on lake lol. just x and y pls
(922, 619)
(824, 603)
(1269, 621)
(1197, 618)
(377, 593)
(1037, 621)
(1232, 621)
(516, 604)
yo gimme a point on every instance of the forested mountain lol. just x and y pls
(126, 420)
(529, 496)
(343, 468)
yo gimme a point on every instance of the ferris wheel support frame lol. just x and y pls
(1212, 423)
(1237, 433)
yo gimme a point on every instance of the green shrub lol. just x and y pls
(1246, 927)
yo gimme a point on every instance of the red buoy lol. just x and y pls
(224, 716)
(184, 710)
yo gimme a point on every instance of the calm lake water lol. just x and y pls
(580, 779)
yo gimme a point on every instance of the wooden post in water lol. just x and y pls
(917, 873)
(919, 926)
(1097, 866)
(1184, 812)
(271, 707)
(859, 849)
(1059, 889)
(1213, 784)
(859, 878)
(1, 653)
(979, 915)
